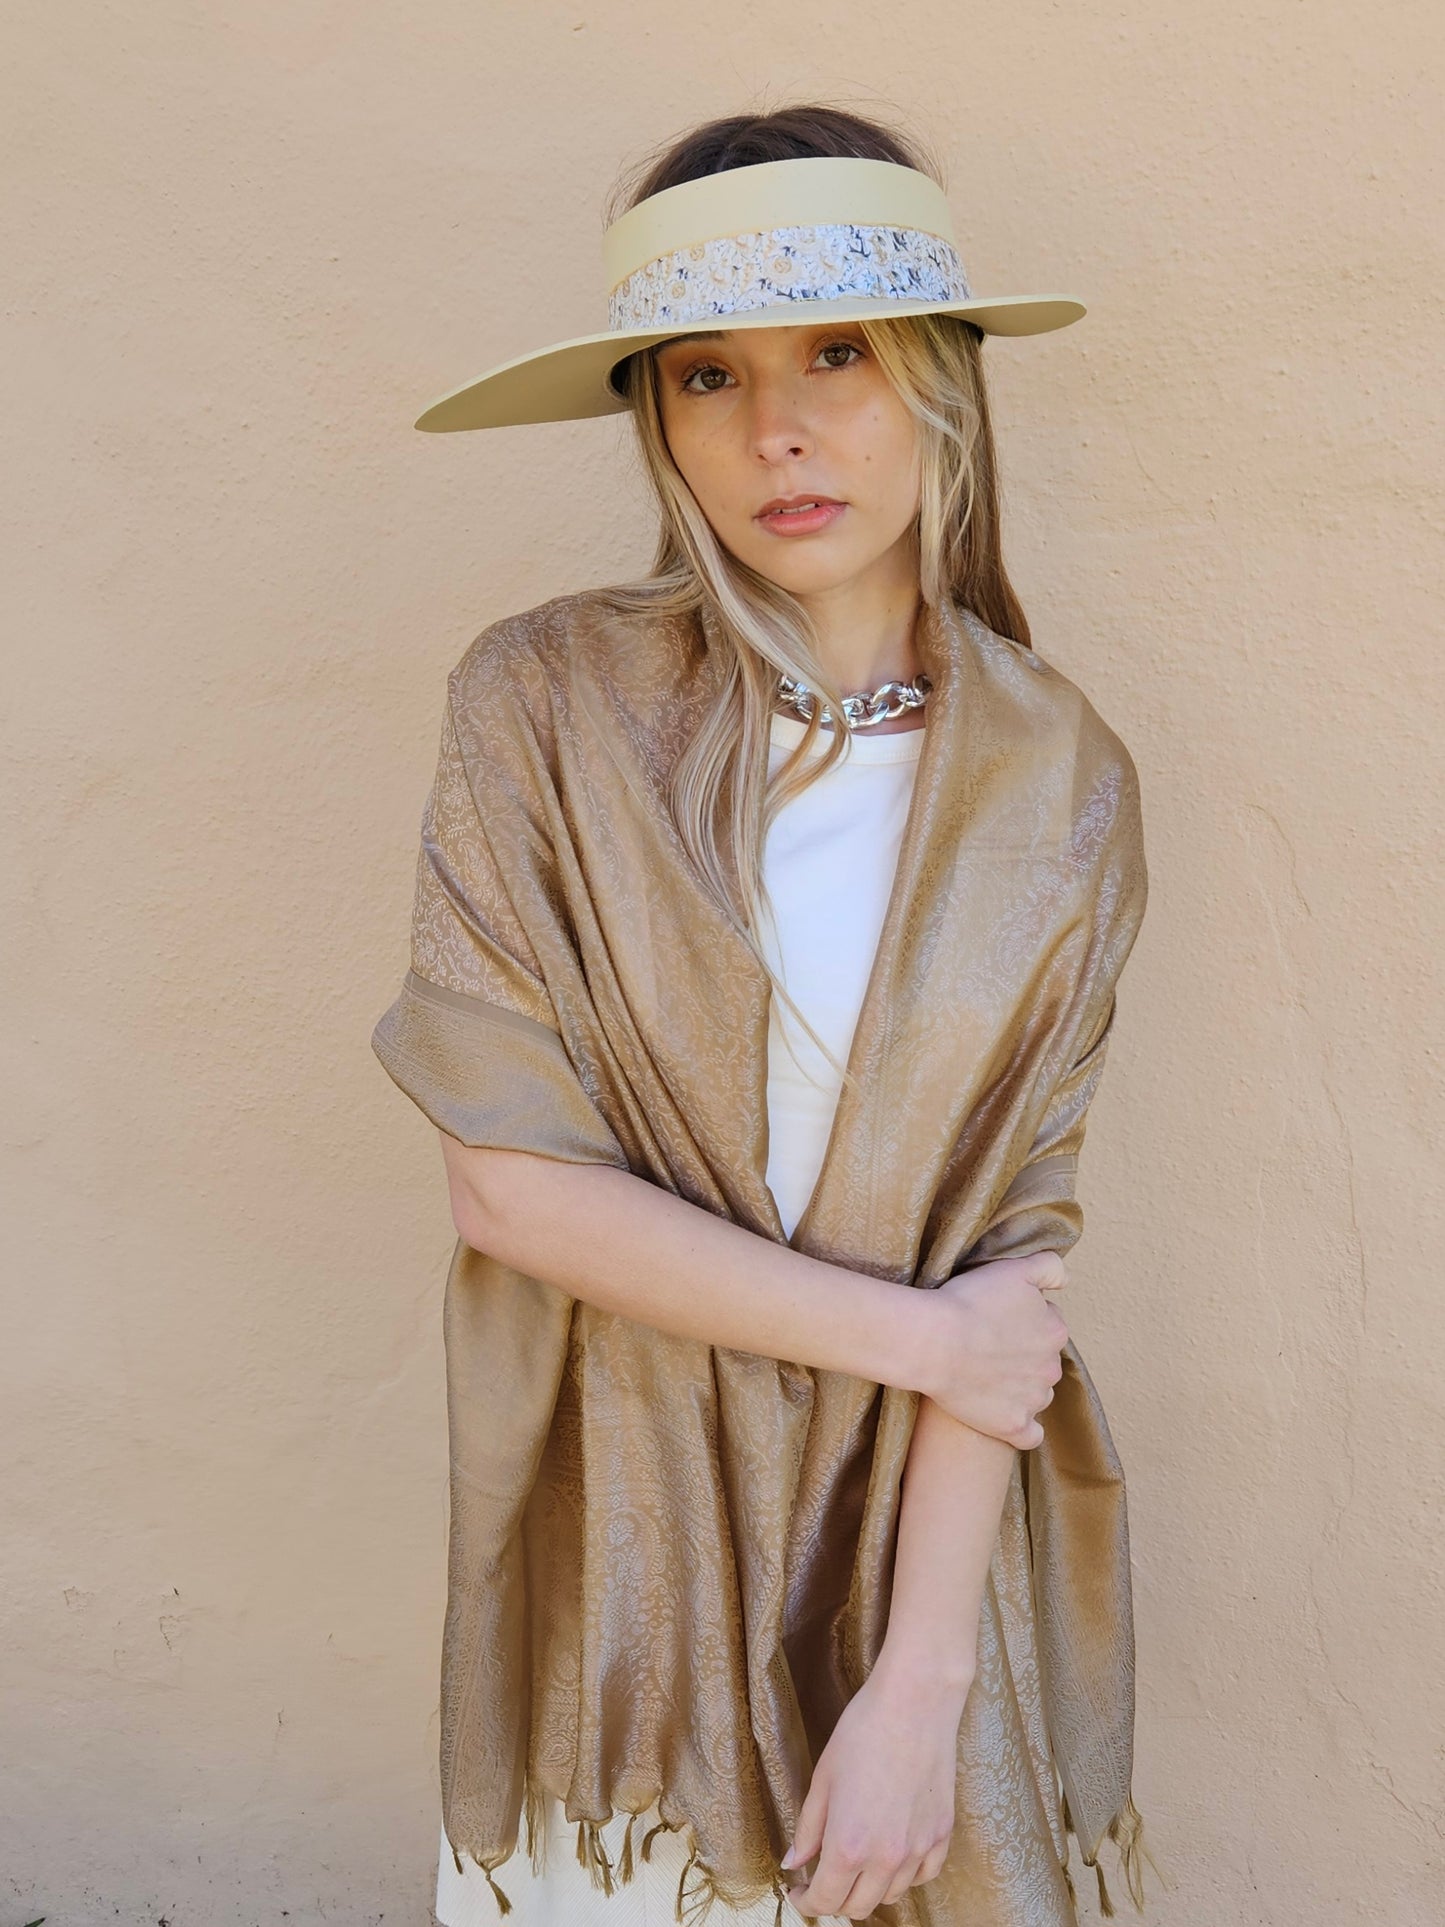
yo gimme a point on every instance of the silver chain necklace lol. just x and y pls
(889, 699)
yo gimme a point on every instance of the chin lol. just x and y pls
(806, 574)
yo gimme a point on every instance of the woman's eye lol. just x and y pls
(708, 368)
(697, 375)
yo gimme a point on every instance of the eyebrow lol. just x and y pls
(701, 334)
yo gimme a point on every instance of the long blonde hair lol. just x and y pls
(721, 797)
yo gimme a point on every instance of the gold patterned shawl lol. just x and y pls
(669, 1563)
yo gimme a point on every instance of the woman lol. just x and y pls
(769, 916)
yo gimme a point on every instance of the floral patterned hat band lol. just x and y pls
(779, 244)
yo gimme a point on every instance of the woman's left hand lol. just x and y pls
(879, 1812)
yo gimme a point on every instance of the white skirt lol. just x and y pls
(563, 1894)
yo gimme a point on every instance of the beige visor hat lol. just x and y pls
(779, 244)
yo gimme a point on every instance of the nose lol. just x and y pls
(778, 422)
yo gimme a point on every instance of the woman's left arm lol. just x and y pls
(955, 1481)
(879, 1813)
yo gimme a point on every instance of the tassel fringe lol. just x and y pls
(663, 1826)
(504, 1906)
(693, 1907)
(1106, 1906)
(693, 1904)
(697, 1905)
(536, 1817)
(593, 1855)
(1126, 1830)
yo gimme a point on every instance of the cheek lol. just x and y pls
(709, 465)
(873, 426)
(888, 454)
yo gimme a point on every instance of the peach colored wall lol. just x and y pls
(243, 246)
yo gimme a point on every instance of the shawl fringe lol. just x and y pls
(1126, 1830)
(693, 1903)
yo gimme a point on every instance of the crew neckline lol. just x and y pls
(901, 746)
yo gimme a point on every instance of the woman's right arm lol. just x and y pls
(985, 1345)
(473, 1040)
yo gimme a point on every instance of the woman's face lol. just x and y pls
(806, 413)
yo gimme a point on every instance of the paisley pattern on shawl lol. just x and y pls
(669, 1563)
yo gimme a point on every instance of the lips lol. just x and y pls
(799, 515)
(794, 504)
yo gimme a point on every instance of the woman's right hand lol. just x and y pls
(999, 1339)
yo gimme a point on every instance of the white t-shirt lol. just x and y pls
(829, 863)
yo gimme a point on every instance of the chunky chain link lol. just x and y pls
(889, 699)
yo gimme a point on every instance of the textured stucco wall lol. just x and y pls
(243, 247)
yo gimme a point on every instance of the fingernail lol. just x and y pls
(787, 1859)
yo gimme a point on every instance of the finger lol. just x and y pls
(865, 1894)
(911, 1874)
(801, 1898)
(931, 1866)
(808, 1834)
(1047, 1270)
(828, 1885)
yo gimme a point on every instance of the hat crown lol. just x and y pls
(814, 228)
(811, 190)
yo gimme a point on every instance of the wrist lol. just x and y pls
(935, 1682)
(911, 1344)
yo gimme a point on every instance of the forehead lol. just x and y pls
(800, 329)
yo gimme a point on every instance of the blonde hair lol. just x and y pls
(721, 796)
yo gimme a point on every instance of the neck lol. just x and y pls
(866, 629)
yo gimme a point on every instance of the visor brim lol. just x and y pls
(569, 381)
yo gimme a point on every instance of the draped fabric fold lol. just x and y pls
(668, 1562)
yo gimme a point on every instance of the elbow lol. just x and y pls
(471, 1223)
(478, 1195)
